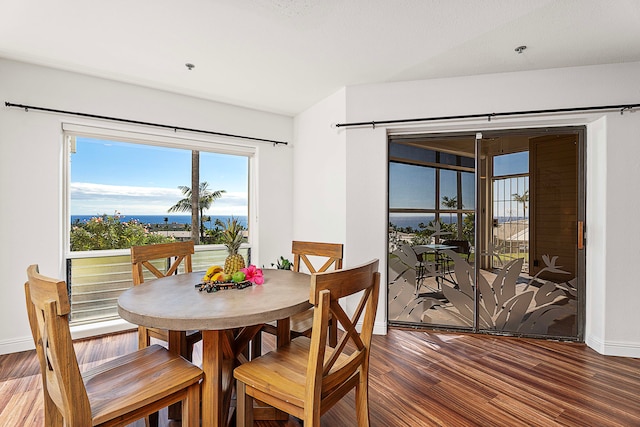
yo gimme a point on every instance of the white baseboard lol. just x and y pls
(17, 345)
(612, 348)
(380, 328)
(77, 332)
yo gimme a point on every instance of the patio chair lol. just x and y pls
(463, 247)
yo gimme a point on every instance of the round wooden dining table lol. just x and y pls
(228, 320)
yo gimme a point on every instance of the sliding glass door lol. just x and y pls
(483, 232)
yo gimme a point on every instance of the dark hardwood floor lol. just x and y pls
(422, 378)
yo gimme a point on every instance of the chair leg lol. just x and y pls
(313, 420)
(191, 407)
(52, 416)
(190, 352)
(362, 401)
(244, 406)
(152, 420)
(185, 348)
(256, 345)
(333, 333)
(143, 338)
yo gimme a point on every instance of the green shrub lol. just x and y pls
(108, 232)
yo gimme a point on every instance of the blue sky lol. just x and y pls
(413, 186)
(109, 176)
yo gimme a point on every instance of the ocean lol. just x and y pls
(404, 221)
(398, 220)
(160, 219)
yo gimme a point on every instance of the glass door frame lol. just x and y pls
(481, 215)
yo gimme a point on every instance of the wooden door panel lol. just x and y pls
(554, 204)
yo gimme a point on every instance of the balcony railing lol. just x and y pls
(96, 281)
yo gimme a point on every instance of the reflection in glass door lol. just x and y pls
(510, 202)
(488, 242)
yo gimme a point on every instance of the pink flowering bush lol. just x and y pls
(253, 274)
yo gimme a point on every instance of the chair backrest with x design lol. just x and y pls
(305, 378)
(343, 365)
(116, 392)
(178, 252)
(308, 255)
(48, 308)
(304, 253)
(173, 254)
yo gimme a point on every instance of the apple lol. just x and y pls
(238, 277)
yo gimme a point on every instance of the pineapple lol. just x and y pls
(232, 237)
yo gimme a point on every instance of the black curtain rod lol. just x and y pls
(622, 108)
(116, 119)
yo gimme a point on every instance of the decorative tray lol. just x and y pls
(217, 286)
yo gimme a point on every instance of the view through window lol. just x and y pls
(506, 261)
(510, 207)
(151, 186)
(431, 194)
(121, 194)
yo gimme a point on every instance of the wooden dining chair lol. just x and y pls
(306, 377)
(171, 255)
(316, 257)
(116, 393)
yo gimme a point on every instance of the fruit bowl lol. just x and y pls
(216, 273)
(216, 279)
(215, 286)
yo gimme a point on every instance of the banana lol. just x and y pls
(211, 271)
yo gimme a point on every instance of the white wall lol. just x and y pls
(327, 201)
(621, 251)
(612, 172)
(319, 164)
(331, 184)
(596, 233)
(31, 169)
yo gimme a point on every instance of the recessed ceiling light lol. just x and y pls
(520, 49)
(189, 66)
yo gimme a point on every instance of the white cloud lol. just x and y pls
(91, 199)
(88, 189)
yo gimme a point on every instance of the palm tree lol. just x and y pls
(206, 199)
(524, 199)
(195, 196)
(450, 203)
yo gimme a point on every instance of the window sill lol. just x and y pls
(101, 328)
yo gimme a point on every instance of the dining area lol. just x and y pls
(262, 355)
(413, 377)
(232, 382)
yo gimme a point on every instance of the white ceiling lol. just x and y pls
(285, 55)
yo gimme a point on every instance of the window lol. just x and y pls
(409, 186)
(124, 190)
(430, 189)
(511, 164)
(147, 185)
